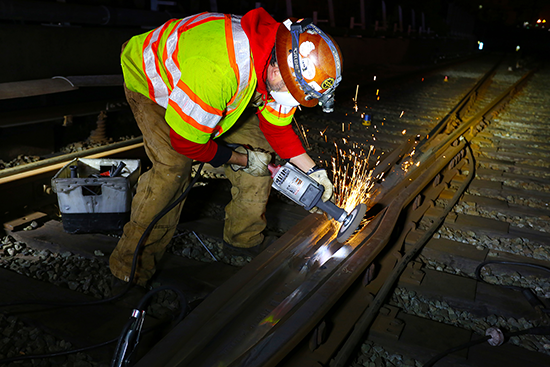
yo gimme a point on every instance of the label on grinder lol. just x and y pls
(294, 185)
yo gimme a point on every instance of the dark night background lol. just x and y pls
(74, 37)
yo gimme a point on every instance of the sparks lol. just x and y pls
(355, 99)
(352, 178)
(302, 133)
(402, 113)
(404, 132)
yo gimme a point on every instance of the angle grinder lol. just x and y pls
(304, 191)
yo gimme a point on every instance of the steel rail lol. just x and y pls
(367, 318)
(460, 138)
(50, 164)
(455, 116)
(257, 317)
(428, 150)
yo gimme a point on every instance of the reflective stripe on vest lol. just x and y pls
(278, 114)
(188, 105)
(241, 48)
(171, 60)
(158, 91)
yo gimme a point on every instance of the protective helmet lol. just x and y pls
(302, 43)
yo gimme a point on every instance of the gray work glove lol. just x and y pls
(257, 162)
(320, 175)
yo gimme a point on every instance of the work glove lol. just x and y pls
(320, 175)
(257, 161)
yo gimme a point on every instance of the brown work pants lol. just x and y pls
(170, 176)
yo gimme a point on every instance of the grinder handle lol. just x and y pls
(332, 209)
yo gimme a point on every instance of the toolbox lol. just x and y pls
(95, 195)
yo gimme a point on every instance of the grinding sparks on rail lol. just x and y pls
(352, 178)
(302, 132)
(409, 162)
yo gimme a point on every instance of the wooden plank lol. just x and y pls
(485, 185)
(421, 339)
(479, 225)
(463, 293)
(457, 255)
(19, 223)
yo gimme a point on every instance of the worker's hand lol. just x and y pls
(257, 161)
(320, 175)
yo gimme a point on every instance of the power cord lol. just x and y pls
(545, 330)
(528, 293)
(129, 337)
(495, 336)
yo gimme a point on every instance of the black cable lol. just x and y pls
(72, 351)
(125, 334)
(436, 358)
(482, 265)
(543, 330)
(154, 222)
(531, 297)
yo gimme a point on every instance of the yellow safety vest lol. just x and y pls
(200, 69)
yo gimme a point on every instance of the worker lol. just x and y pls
(201, 84)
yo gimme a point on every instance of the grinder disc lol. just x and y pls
(350, 224)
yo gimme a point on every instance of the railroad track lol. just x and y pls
(403, 288)
(287, 307)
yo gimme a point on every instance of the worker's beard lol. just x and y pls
(274, 88)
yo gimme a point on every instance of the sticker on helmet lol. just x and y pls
(313, 84)
(307, 66)
(289, 61)
(306, 48)
(327, 83)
